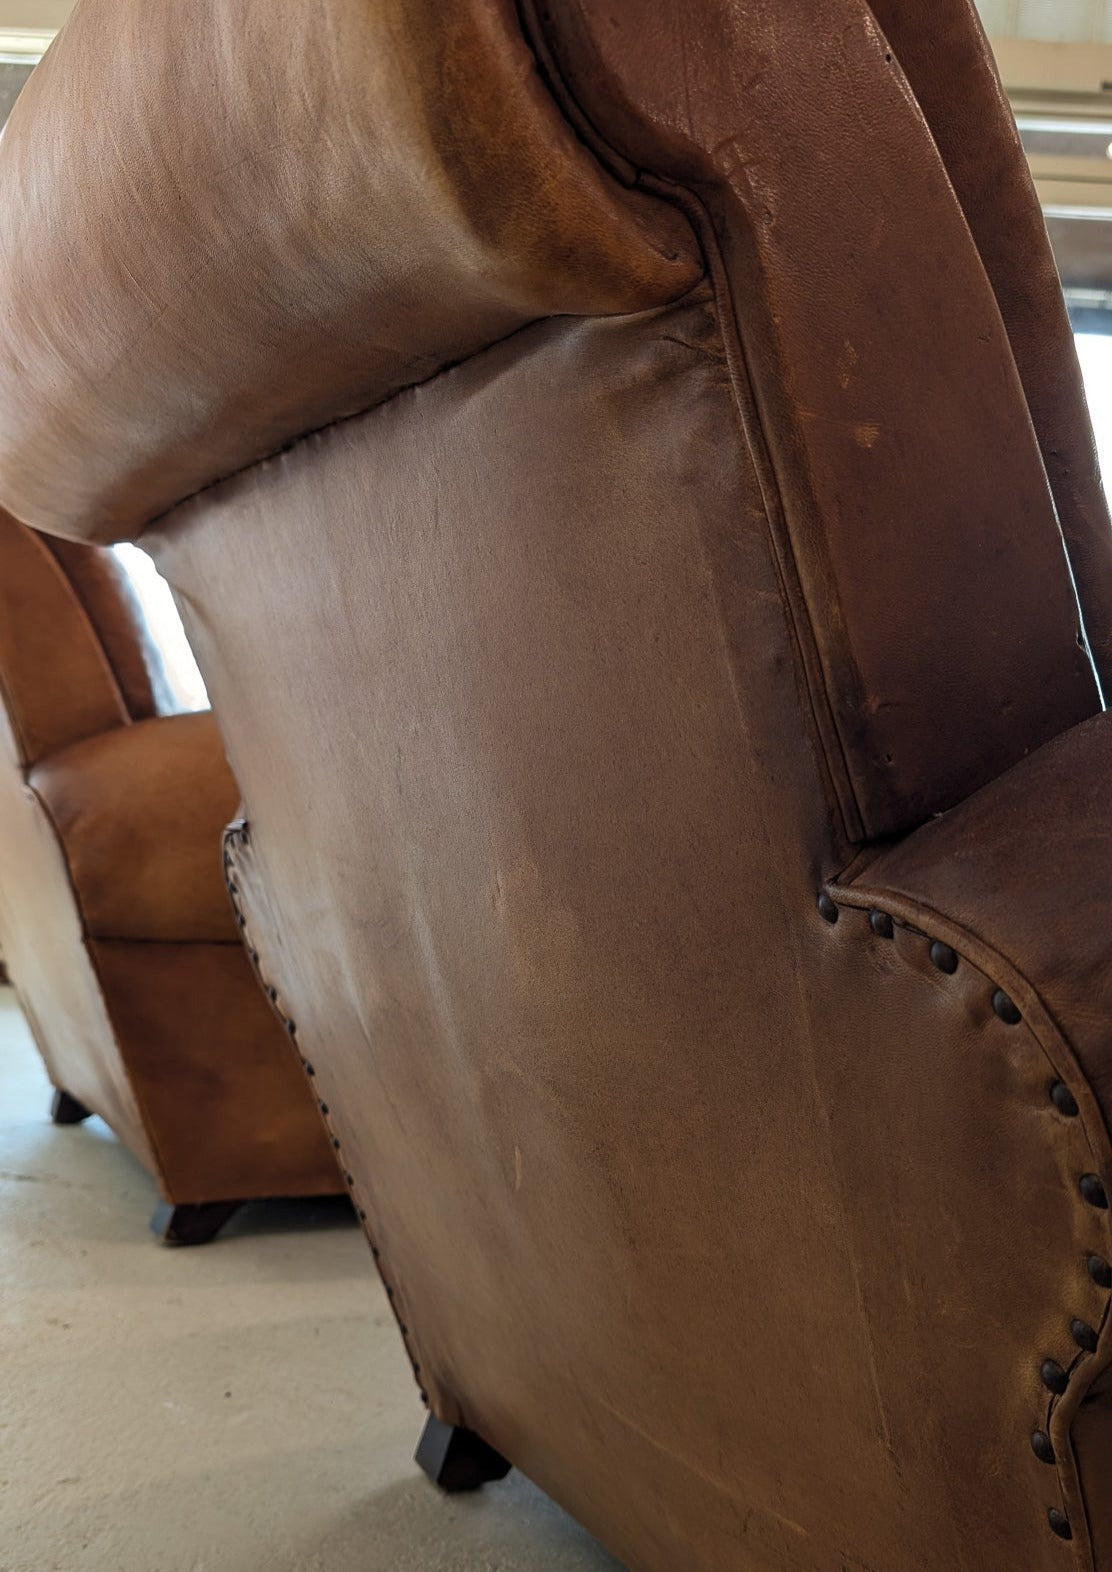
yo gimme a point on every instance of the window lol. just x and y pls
(186, 683)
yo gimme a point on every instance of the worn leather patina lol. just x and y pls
(624, 469)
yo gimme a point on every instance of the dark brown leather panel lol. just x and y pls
(1026, 866)
(199, 1036)
(57, 683)
(289, 213)
(953, 75)
(932, 572)
(727, 1226)
(44, 951)
(104, 589)
(1092, 1444)
(140, 812)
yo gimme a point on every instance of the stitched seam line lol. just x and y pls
(831, 744)
(340, 420)
(238, 833)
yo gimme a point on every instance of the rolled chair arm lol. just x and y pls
(1003, 907)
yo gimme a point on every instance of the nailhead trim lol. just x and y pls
(944, 958)
(1054, 1378)
(1064, 1100)
(1059, 1523)
(1087, 1338)
(1005, 1009)
(241, 833)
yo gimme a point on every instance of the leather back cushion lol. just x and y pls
(57, 682)
(283, 213)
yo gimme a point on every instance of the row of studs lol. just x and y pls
(241, 833)
(1053, 1376)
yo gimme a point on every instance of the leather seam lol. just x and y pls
(832, 748)
(165, 515)
(238, 834)
(1039, 1024)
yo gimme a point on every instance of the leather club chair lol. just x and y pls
(114, 919)
(624, 468)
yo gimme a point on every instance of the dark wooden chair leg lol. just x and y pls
(191, 1225)
(457, 1460)
(66, 1109)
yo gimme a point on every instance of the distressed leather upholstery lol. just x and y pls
(625, 472)
(115, 922)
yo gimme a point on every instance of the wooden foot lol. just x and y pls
(191, 1225)
(66, 1109)
(457, 1460)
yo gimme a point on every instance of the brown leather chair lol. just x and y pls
(114, 920)
(624, 467)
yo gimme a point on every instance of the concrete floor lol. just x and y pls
(245, 1407)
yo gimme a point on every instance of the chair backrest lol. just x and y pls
(611, 471)
(889, 401)
(75, 654)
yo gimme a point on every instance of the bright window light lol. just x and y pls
(164, 623)
(1095, 352)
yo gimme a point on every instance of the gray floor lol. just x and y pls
(240, 1408)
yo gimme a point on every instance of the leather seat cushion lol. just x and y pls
(140, 812)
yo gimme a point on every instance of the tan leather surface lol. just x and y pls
(559, 914)
(140, 812)
(557, 687)
(288, 216)
(922, 544)
(219, 1084)
(954, 78)
(56, 679)
(104, 589)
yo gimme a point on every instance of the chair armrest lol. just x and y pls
(1021, 876)
(140, 813)
(1002, 907)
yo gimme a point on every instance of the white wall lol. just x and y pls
(34, 13)
(1052, 21)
